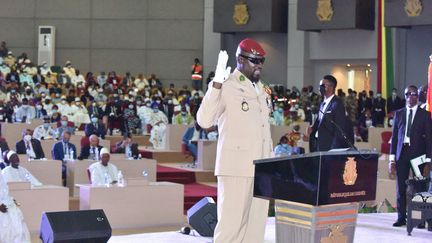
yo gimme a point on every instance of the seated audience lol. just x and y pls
(63, 147)
(45, 131)
(103, 172)
(40, 112)
(183, 118)
(95, 127)
(191, 136)
(92, 150)
(65, 125)
(13, 227)
(283, 148)
(25, 113)
(158, 121)
(30, 146)
(126, 146)
(15, 173)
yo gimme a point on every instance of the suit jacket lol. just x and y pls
(58, 152)
(397, 104)
(329, 135)
(421, 133)
(3, 145)
(37, 148)
(85, 152)
(242, 115)
(91, 129)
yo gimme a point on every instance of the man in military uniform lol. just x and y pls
(239, 103)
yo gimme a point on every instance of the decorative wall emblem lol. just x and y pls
(350, 172)
(241, 14)
(413, 8)
(336, 235)
(324, 10)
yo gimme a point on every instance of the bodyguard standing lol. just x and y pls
(412, 137)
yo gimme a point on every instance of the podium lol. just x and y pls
(316, 194)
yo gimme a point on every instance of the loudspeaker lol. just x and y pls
(203, 216)
(86, 226)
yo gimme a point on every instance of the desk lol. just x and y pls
(206, 155)
(46, 171)
(12, 132)
(37, 200)
(174, 136)
(77, 170)
(141, 140)
(153, 205)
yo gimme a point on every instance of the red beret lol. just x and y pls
(252, 47)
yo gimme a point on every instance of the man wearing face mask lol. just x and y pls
(378, 112)
(45, 131)
(394, 102)
(65, 125)
(331, 129)
(26, 112)
(183, 118)
(158, 121)
(40, 112)
(239, 103)
(30, 146)
(278, 117)
(95, 127)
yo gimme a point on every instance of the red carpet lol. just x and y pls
(193, 192)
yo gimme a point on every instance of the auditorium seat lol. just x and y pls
(385, 145)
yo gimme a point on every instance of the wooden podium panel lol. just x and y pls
(153, 205)
(206, 156)
(46, 171)
(34, 201)
(174, 136)
(12, 132)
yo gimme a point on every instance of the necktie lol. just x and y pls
(65, 148)
(321, 111)
(410, 116)
(27, 146)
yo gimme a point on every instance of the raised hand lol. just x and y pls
(222, 71)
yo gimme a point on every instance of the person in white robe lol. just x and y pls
(144, 112)
(79, 113)
(12, 225)
(16, 173)
(26, 112)
(158, 121)
(103, 172)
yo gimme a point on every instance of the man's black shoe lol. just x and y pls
(399, 223)
(421, 226)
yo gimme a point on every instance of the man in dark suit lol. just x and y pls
(30, 146)
(91, 151)
(63, 146)
(394, 102)
(412, 137)
(331, 129)
(95, 127)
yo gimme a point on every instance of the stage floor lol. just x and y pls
(370, 228)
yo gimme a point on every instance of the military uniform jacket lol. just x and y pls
(242, 116)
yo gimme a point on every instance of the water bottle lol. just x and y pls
(145, 175)
(128, 152)
(120, 179)
(107, 180)
(71, 154)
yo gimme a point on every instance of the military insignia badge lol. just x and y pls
(241, 14)
(413, 8)
(244, 106)
(350, 172)
(242, 78)
(324, 10)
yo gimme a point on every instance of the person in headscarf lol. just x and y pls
(16, 173)
(103, 172)
(13, 227)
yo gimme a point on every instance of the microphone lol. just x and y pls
(185, 230)
(339, 129)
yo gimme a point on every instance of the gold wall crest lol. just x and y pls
(350, 172)
(324, 10)
(336, 235)
(413, 8)
(241, 14)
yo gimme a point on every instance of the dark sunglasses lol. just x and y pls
(411, 94)
(254, 60)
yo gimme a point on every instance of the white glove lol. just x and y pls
(222, 71)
